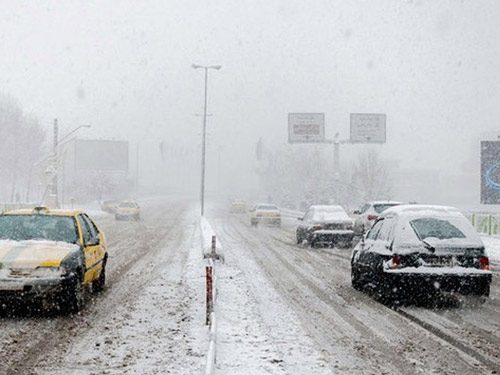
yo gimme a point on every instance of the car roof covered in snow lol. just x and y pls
(420, 209)
(385, 202)
(325, 207)
(42, 211)
(329, 213)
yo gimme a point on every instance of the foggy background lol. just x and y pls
(125, 68)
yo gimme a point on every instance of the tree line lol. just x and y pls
(22, 146)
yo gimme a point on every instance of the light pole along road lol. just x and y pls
(56, 144)
(204, 134)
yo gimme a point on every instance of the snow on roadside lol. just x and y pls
(257, 332)
(492, 245)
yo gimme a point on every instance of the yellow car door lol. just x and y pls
(100, 249)
(90, 249)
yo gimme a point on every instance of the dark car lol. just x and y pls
(325, 225)
(416, 251)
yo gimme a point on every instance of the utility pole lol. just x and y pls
(54, 165)
(204, 134)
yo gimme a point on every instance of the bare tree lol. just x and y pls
(21, 145)
(371, 177)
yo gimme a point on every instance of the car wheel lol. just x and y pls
(99, 284)
(356, 278)
(314, 244)
(73, 297)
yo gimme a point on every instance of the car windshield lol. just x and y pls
(379, 208)
(435, 228)
(38, 227)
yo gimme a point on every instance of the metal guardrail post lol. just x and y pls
(209, 294)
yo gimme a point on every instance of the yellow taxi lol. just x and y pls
(127, 210)
(52, 256)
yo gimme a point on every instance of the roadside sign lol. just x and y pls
(490, 172)
(306, 127)
(368, 128)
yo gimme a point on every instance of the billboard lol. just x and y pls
(490, 172)
(368, 128)
(101, 155)
(306, 127)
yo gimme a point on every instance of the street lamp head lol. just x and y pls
(196, 66)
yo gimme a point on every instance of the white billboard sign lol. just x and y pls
(101, 155)
(306, 127)
(368, 128)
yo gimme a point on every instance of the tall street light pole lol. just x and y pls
(204, 136)
(56, 144)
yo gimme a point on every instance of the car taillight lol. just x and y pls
(372, 217)
(396, 261)
(484, 263)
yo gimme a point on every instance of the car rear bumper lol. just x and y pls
(473, 282)
(329, 236)
(267, 220)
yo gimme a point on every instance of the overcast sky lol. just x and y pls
(125, 67)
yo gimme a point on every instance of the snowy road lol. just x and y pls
(355, 333)
(282, 309)
(141, 324)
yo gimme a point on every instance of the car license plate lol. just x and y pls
(11, 285)
(440, 262)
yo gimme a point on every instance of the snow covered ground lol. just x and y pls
(258, 333)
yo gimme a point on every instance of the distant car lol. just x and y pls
(237, 206)
(366, 215)
(326, 225)
(266, 214)
(418, 250)
(109, 206)
(50, 256)
(128, 210)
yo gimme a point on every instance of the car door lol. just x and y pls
(99, 240)
(367, 256)
(90, 245)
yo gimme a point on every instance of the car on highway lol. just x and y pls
(368, 213)
(420, 250)
(265, 213)
(109, 206)
(325, 225)
(50, 256)
(237, 206)
(127, 210)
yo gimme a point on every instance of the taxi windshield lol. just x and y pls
(38, 227)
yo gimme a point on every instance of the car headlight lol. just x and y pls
(49, 272)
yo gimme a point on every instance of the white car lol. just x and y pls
(325, 225)
(265, 213)
(417, 251)
(368, 213)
